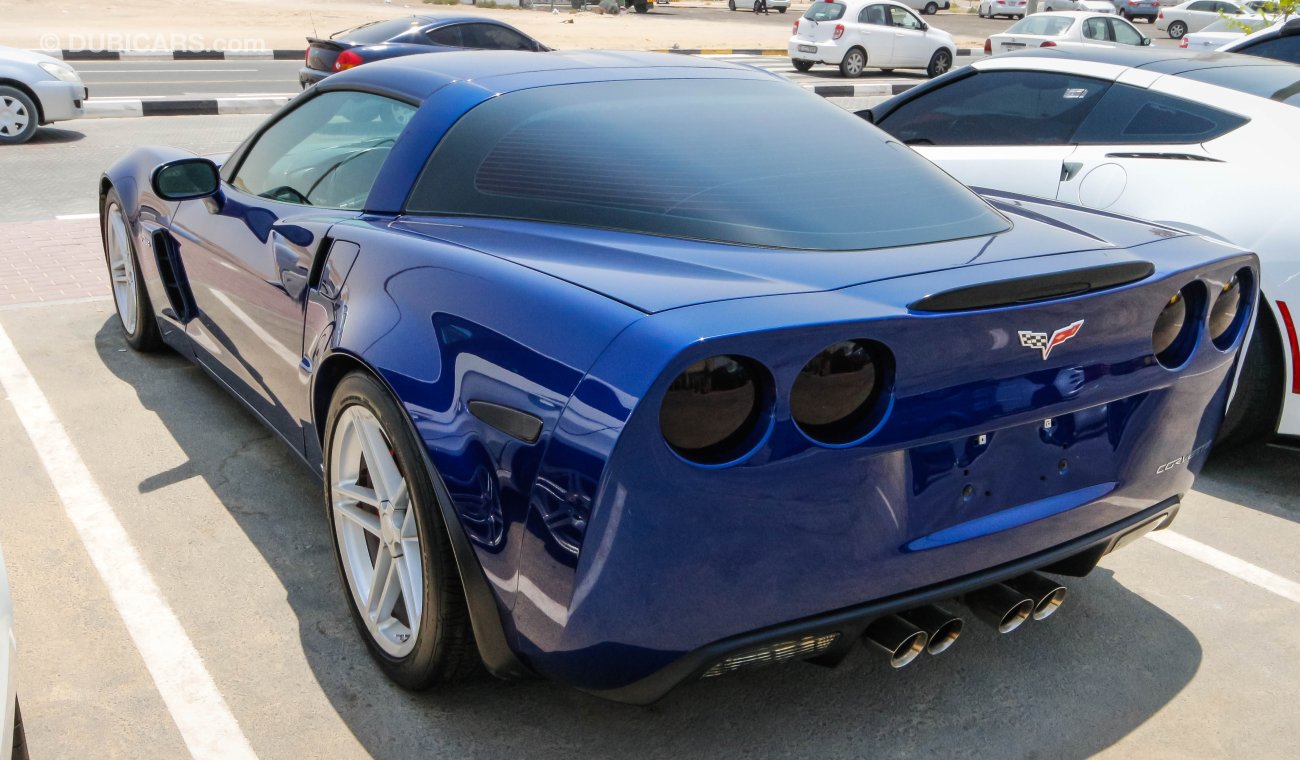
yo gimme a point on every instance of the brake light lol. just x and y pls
(796, 27)
(1132, 2)
(1182, 43)
(839, 31)
(1161, 15)
(346, 60)
(1048, 43)
(1293, 343)
(988, 46)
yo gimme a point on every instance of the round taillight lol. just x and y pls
(836, 397)
(712, 409)
(1228, 312)
(1174, 335)
(346, 60)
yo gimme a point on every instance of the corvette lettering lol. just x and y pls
(1044, 342)
(1183, 460)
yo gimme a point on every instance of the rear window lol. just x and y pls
(1047, 26)
(1280, 83)
(825, 12)
(1132, 115)
(376, 31)
(1278, 48)
(742, 162)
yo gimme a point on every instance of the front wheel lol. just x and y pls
(940, 62)
(782, 9)
(731, 5)
(134, 310)
(1177, 30)
(642, 7)
(854, 63)
(390, 541)
(931, 9)
(802, 65)
(18, 118)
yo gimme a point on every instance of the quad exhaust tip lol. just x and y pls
(902, 640)
(1046, 594)
(942, 628)
(1001, 606)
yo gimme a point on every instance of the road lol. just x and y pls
(1178, 648)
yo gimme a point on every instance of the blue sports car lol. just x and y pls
(601, 393)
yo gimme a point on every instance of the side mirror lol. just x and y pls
(186, 179)
(925, 27)
(1145, 41)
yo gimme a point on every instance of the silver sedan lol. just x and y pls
(36, 89)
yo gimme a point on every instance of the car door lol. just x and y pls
(448, 35)
(247, 253)
(1095, 32)
(911, 47)
(876, 35)
(1005, 129)
(1198, 15)
(1136, 149)
(1124, 33)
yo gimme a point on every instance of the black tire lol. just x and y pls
(642, 7)
(20, 735)
(802, 65)
(782, 9)
(444, 649)
(1254, 410)
(146, 338)
(940, 63)
(854, 63)
(930, 9)
(1177, 30)
(731, 5)
(886, 71)
(26, 109)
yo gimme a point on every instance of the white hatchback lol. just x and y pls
(1072, 29)
(859, 34)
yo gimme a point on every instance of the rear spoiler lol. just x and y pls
(334, 44)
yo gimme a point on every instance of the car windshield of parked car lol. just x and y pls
(1047, 26)
(376, 31)
(758, 163)
(825, 11)
(1276, 82)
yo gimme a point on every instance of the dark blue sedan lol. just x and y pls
(411, 35)
(601, 393)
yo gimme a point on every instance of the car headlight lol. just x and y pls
(712, 408)
(834, 398)
(61, 71)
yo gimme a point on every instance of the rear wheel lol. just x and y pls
(731, 5)
(391, 543)
(854, 63)
(1177, 30)
(134, 310)
(18, 117)
(1253, 413)
(782, 9)
(940, 62)
(802, 65)
(642, 7)
(931, 9)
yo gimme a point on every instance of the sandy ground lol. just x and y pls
(262, 24)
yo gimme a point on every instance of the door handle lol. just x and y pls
(1069, 169)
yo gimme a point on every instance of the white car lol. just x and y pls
(1195, 15)
(13, 743)
(927, 7)
(1220, 33)
(1009, 8)
(1073, 29)
(1280, 42)
(859, 34)
(780, 6)
(1093, 6)
(1196, 141)
(35, 89)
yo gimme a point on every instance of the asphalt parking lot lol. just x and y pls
(151, 527)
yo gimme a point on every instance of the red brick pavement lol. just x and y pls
(51, 261)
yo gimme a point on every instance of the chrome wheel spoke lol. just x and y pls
(383, 470)
(409, 583)
(353, 492)
(383, 588)
(368, 522)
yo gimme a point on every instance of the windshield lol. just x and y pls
(1047, 26)
(825, 12)
(719, 160)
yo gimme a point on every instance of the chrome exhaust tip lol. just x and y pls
(1046, 594)
(1001, 607)
(902, 640)
(942, 628)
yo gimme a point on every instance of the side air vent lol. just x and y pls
(172, 273)
(1023, 290)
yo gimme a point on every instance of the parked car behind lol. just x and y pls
(1220, 33)
(410, 35)
(780, 6)
(1280, 42)
(1138, 9)
(880, 34)
(36, 89)
(1195, 15)
(1070, 29)
(1008, 8)
(927, 7)
(1092, 6)
(1214, 126)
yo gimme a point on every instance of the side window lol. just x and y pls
(448, 35)
(1131, 115)
(1123, 32)
(998, 108)
(1278, 48)
(901, 18)
(327, 152)
(1204, 5)
(493, 37)
(873, 14)
(1094, 29)
(1228, 8)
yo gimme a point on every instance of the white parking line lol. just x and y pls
(76, 217)
(1238, 568)
(205, 722)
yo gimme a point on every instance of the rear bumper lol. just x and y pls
(1074, 558)
(824, 52)
(308, 77)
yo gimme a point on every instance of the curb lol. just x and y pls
(856, 90)
(111, 109)
(961, 52)
(175, 55)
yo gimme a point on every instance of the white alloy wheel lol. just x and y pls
(378, 535)
(14, 116)
(121, 268)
